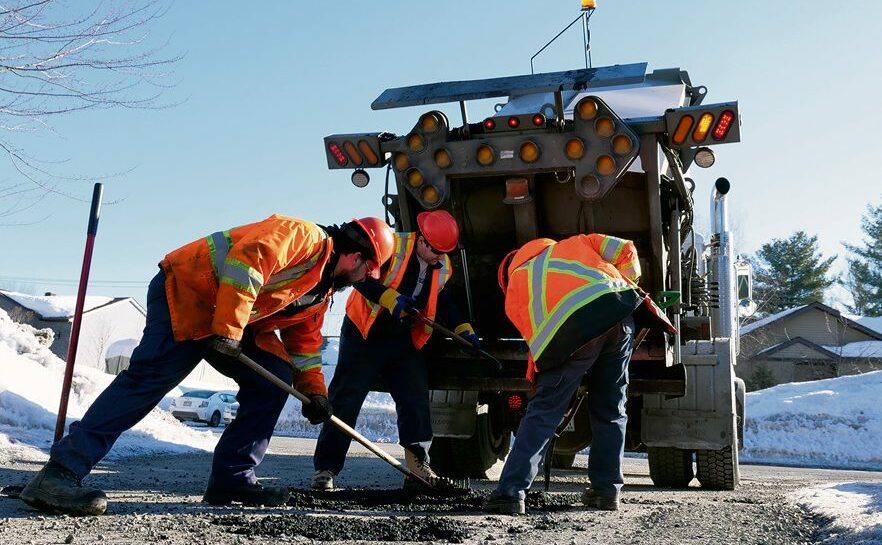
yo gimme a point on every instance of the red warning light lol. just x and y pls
(489, 124)
(539, 120)
(515, 402)
(514, 122)
(723, 125)
(338, 154)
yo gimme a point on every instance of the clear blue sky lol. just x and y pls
(263, 85)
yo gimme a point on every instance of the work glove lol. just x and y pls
(465, 331)
(226, 346)
(398, 304)
(318, 410)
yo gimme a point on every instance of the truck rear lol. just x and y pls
(599, 150)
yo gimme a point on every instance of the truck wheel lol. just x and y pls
(472, 457)
(670, 467)
(718, 469)
(563, 461)
(215, 420)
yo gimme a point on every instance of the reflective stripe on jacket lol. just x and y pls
(220, 283)
(589, 279)
(363, 313)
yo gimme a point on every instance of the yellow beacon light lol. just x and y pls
(442, 158)
(430, 195)
(414, 178)
(703, 127)
(400, 161)
(574, 149)
(485, 155)
(529, 152)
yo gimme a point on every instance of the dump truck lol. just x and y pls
(594, 150)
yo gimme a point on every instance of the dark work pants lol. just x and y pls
(604, 362)
(160, 363)
(361, 362)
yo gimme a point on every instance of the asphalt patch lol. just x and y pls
(405, 501)
(336, 528)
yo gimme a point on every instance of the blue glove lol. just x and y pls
(472, 338)
(396, 303)
(466, 331)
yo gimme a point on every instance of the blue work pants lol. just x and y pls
(604, 363)
(359, 366)
(158, 364)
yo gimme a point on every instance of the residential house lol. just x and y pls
(807, 342)
(107, 322)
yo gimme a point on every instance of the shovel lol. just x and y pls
(456, 337)
(342, 426)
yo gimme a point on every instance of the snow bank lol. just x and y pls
(854, 510)
(835, 422)
(30, 383)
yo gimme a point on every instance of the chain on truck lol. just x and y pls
(595, 150)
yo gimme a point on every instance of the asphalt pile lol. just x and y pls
(387, 526)
(339, 528)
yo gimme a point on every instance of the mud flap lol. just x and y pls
(454, 413)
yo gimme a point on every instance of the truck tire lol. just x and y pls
(472, 457)
(215, 419)
(563, 461)
(670, 467)
(718, 469)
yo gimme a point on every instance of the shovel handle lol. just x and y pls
(342, 426)
(455, 336)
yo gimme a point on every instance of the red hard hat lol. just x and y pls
(381, 237)
(502, 272)
(439, 229)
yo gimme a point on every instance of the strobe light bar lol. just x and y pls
(354, 151)
(704, 125)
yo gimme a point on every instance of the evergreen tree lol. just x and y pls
(864, 280)
(790, 272)
(761, 378)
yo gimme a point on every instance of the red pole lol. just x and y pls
(91, 231)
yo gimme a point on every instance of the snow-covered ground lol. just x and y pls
(834, 423)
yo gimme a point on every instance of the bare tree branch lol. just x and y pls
(54, 62)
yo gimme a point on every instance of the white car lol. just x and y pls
(207, 406)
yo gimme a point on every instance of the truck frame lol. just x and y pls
(591, 150)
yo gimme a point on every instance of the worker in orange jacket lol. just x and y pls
(574, 302)
(375, 343)
(261, 288)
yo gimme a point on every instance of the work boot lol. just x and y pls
(590, 498)
(57, 488)
(252, 494)
(323, 479)
(420, 468)
(504, 505)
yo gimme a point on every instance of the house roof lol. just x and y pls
(823, 351)
(859, 349)
(53, 308)
(845, 318)
(872, 322)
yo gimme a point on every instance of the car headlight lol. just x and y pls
(204, 404)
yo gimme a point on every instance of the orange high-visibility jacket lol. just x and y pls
(219, 284)
(560, 295)
(363, 313)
